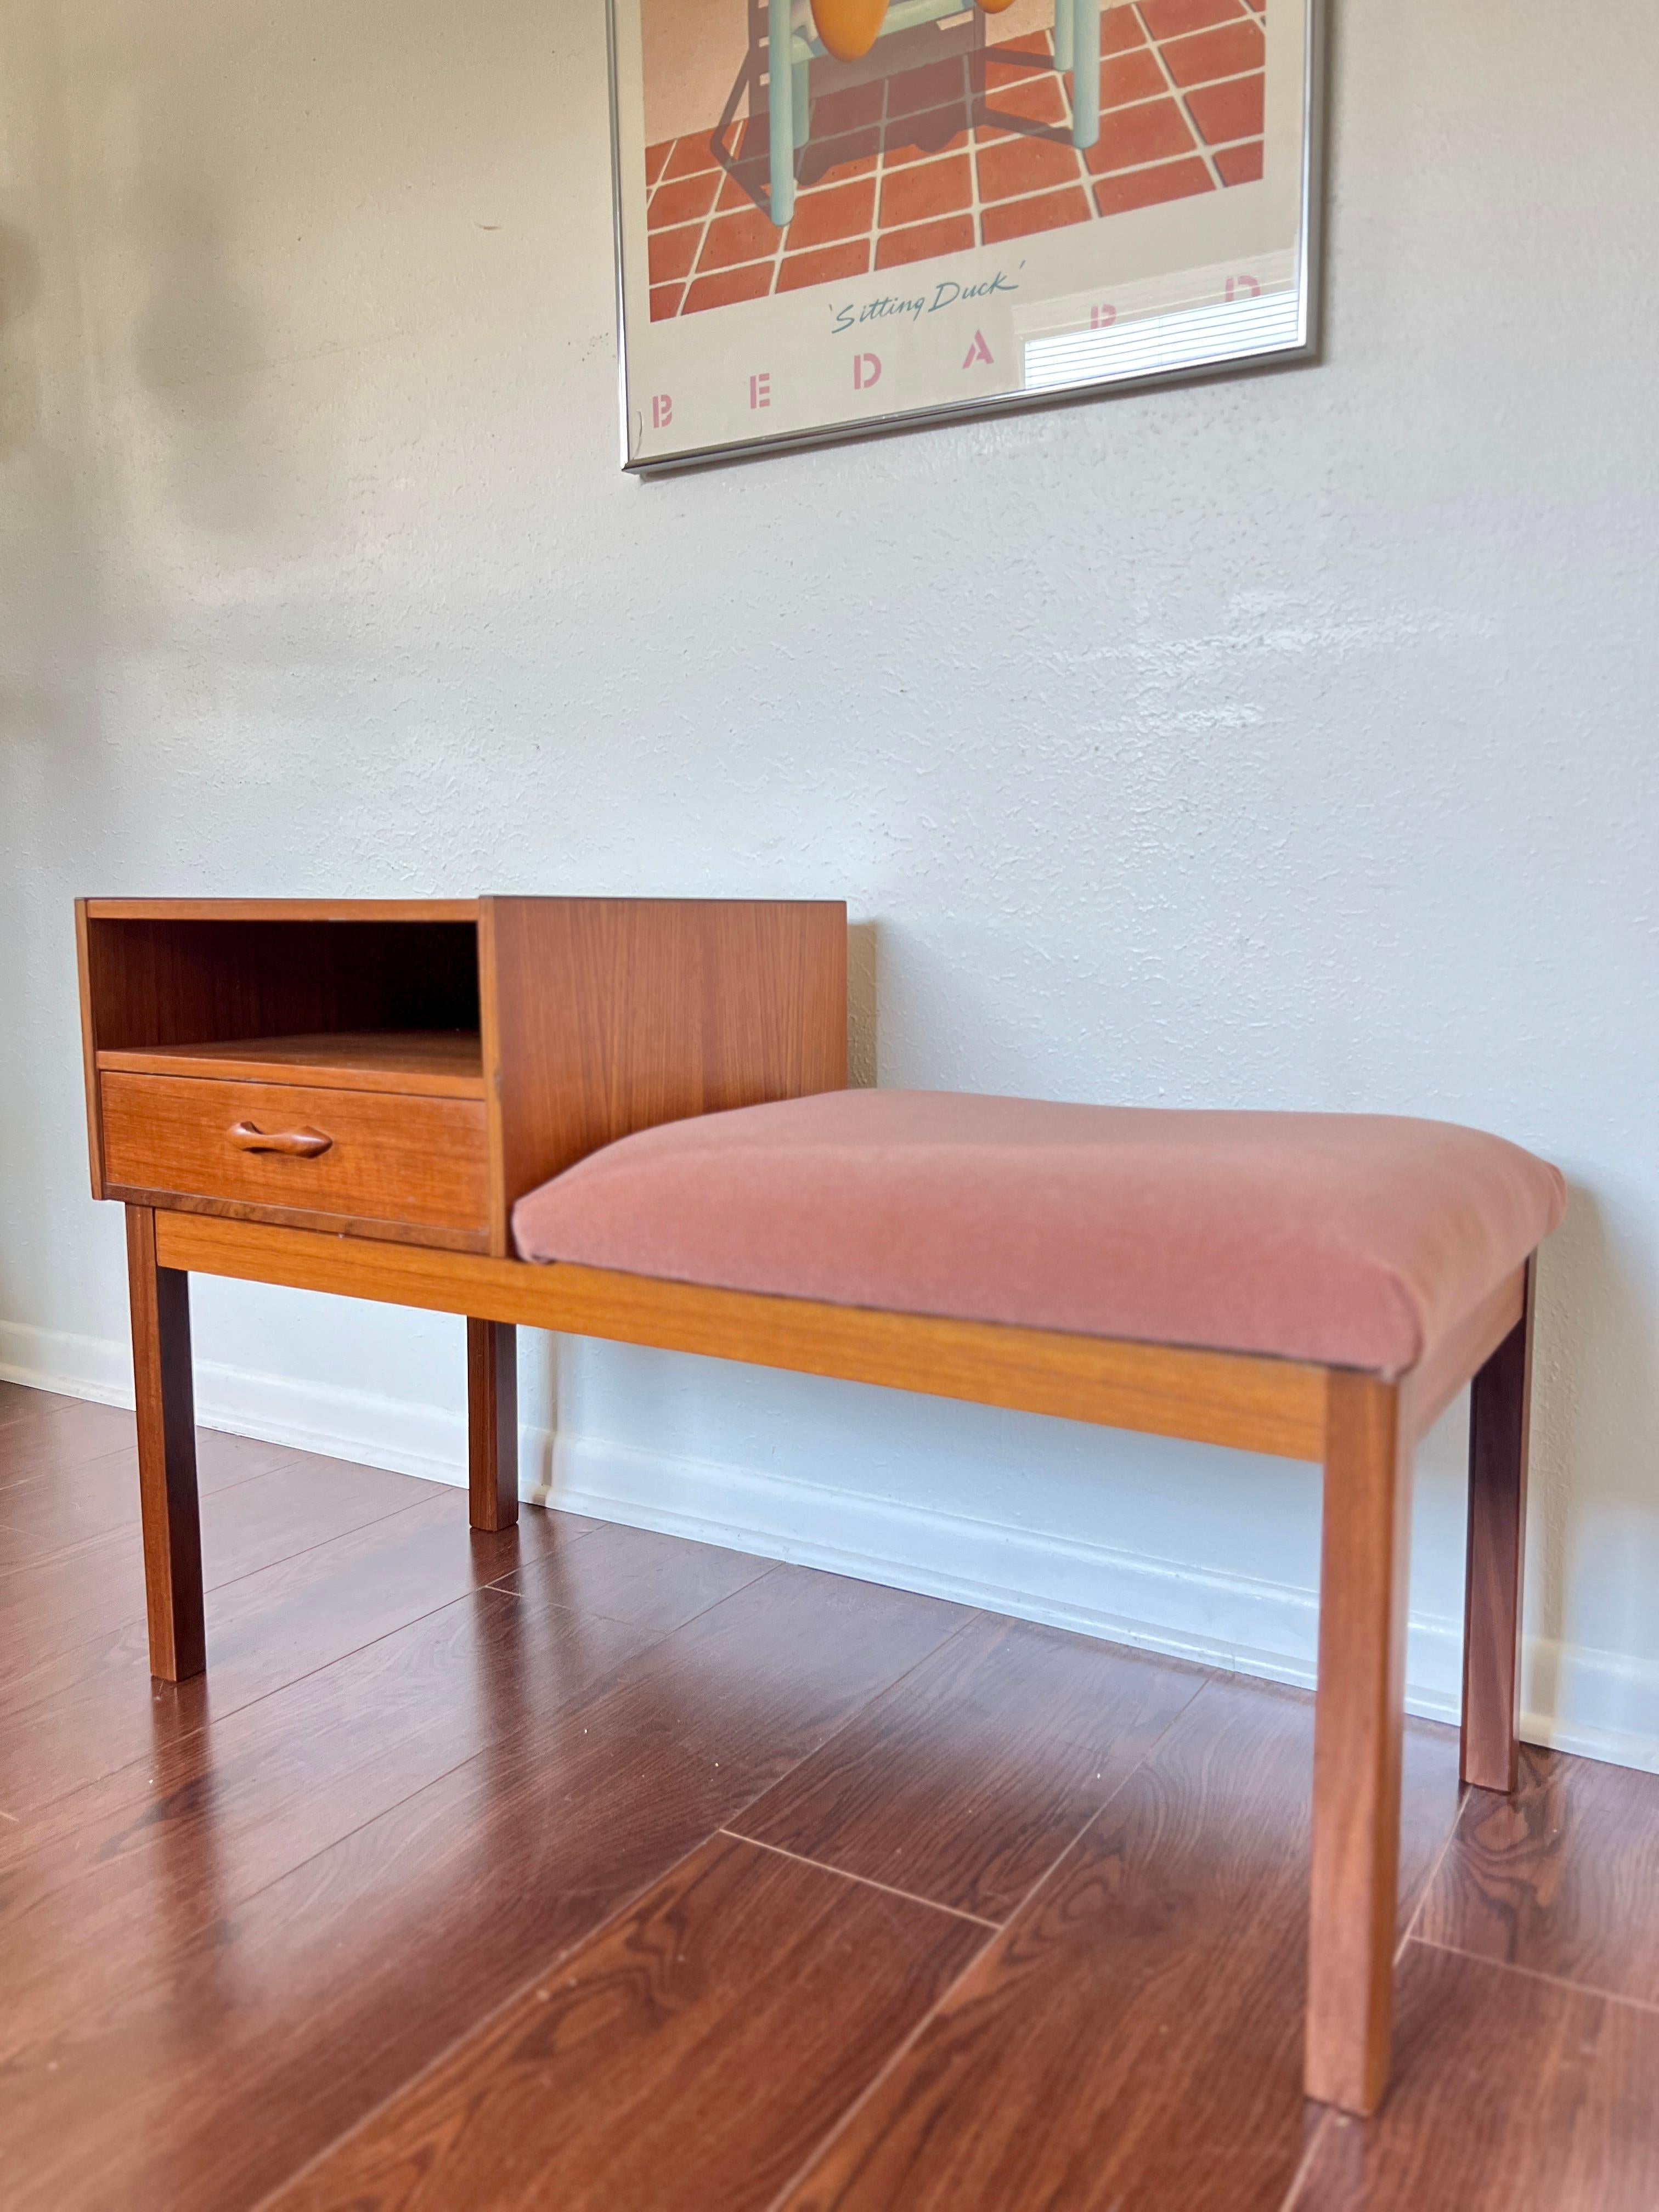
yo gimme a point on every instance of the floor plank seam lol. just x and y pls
(9, 1486)
(1537, 1974)
(226, 1712)
(829, 2149)
(96, 1543)
(481, 2025)
(1205, 1677)
(1305, 2164)
(1433, 1875)
(769, 1567)
(896, 2057)
(572, 1536)
(485, 2021)
(227, 1905)
(374, 1521)
(864, 1881)
(858, 1712)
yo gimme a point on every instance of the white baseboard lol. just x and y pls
(1600, 1704)
(355, 1424)
(94, 1367)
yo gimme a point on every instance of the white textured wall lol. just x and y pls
(1282, 742)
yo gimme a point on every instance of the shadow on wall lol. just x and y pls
(41, 583)
(49, 723)
(861, 1028)
(193, 347)
(19, 381)
(1595, 1351)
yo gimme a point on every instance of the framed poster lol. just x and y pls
(836, 216)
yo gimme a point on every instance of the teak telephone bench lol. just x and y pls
(386, 1099)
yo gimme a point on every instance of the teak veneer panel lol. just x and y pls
(415, 1063)
(418, 1161)
(1211, 1397)
(605, 1016)
(280, 909)
(592, 1017)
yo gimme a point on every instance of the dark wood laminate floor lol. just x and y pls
(582, 1867)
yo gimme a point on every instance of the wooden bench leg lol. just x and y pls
(492, 1421)
(1358, 1731)
(167, 1455)
(1500, 1416)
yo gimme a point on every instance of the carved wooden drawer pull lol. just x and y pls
(303, 1143)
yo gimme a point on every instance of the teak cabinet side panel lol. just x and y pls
(604, 1015)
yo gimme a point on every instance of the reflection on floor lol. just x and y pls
(963, 153)
(584, 1867)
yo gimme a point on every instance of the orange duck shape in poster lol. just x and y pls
(848, 28)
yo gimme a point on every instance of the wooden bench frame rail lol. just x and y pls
(1362, 1429)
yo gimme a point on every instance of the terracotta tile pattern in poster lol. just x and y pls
(964, 153)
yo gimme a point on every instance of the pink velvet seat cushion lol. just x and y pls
(1353, 1239)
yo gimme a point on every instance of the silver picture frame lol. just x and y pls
(1207, 346)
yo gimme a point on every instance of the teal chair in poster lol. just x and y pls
(1076, 49)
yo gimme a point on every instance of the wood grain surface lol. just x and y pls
(165, 1419)
(79, 1712)
(56, 1604)
(41, 1519)
(358, 911)
(604, 1015)
(366, 1227)
(304, 1908)
(492, 1423)
(1133, 2035)
(1261, 1405)
(1561, 1879)
(1363, 1593)
(194, 973)
(316, 1998)
(591, 2091)
(636, 1575)
(968, 1780)
(112, 1871)
(412, 1160)
(1515, 2095)
(1500, 1412)
(415, 1063)
(42, 1434)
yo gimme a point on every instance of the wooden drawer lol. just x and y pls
(368, 1157)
